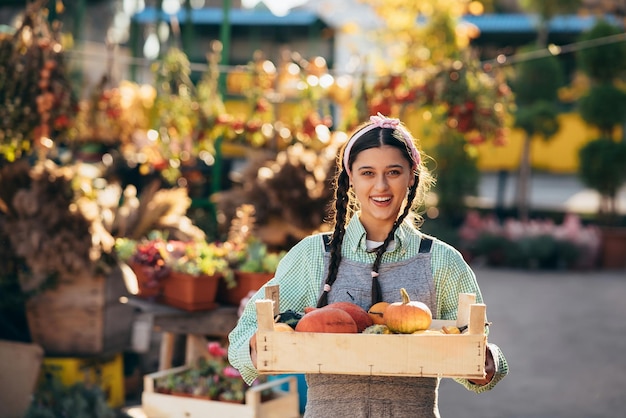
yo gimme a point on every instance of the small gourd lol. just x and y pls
(407, 316)
(377, 329)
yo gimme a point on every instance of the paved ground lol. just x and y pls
(564, 335)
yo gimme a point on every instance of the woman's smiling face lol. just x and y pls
(380, 178)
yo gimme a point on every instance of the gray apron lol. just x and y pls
(337, 396)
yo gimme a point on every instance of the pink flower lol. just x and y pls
(230, 371)
(216, 350)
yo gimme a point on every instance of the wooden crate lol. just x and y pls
(20, 364)
(285, 404)
(426, 355)
(82, 316)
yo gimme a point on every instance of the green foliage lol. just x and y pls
(457, 177)
(529, 252)
(52, 399)
(258, 260)
(539, 118)
(603, 165)
(603, 62)
(537, 79)
(602, 161)
(197, 257)
(549, 8)
(604, 107)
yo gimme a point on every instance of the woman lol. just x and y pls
(374, 250)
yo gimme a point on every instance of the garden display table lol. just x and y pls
(196, 326)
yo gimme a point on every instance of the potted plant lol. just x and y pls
(602, 160)
(145, 258)
(196, 270)
(254, 265)
(249, 257)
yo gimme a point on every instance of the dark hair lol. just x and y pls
(345, 203)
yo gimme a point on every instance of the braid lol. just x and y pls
(376, 290)
(341, 210)
(380, 132)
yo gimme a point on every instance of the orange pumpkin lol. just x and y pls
(377, 312)
(407, 316)
(329, 320)
(360, 316)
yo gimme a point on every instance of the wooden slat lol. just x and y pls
(368, 354)
(218, 322)
(477, 318)
(463, 310)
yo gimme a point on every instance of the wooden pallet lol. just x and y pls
(425, 355)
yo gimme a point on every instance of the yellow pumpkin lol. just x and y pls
(407, 316)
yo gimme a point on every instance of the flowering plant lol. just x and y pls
(199, 257)
(157, 256)
(147, 255)
(538, 243)
(212, 377)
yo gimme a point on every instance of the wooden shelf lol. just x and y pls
(196, 326)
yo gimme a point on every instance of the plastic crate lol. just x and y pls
(105, 372)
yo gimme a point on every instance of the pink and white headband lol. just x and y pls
(380, 121)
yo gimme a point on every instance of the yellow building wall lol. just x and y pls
(559, 154)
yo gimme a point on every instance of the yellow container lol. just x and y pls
(105, 372)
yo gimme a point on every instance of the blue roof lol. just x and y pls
(242, 17)
(487, 23)
(525, 23)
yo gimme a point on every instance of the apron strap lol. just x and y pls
(425, 245)
(326, 241)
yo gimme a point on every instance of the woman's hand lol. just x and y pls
(253, 350)
(490, 369)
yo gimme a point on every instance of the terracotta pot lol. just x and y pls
(613, 250)
(246, 282)
(146, 288)
(191, 293)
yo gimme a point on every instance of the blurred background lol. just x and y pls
(142, 140)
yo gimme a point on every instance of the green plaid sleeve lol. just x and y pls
(299, 276)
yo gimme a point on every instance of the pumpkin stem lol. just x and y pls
(405, 296)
